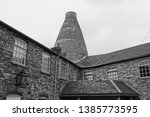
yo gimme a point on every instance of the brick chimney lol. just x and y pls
(57, 49)
(70, 38)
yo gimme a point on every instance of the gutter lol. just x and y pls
(54, 93)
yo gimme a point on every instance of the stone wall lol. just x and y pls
(71, 75)
(35, 82)
(127, 71)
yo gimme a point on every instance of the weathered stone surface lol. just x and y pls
(36, 81)
(70, 38)
(128, 72)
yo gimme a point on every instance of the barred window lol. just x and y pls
(19, 52)
(112, 72)
(88, 75)
(45, 62)
(63, 73)
(144, 68)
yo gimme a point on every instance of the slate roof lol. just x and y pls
(97, 88)
(125, 88)
(25, 37)
(117, 56)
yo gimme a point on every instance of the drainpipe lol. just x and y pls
(54, 95)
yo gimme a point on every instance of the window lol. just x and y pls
(13, 97)
(63, 73)
(144, 68)
(45, 63)
(88, 75)
(112, 72)
(19, 52)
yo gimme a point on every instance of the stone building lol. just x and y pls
(29, 70)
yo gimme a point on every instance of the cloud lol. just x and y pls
(105, 27)
(101, 21)
(98, 2)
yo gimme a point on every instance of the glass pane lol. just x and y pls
(45, 62)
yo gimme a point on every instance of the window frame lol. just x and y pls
(20, 49)
(112, 72)
(88, 75)
(44, 64)
(144, 63)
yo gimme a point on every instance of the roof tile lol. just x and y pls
(121, 55)
(96, 88)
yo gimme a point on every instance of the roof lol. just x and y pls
(97, 88)
(34, 41)
(117, 56)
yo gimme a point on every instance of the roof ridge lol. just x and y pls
(81, 59)
(99, 60)
(138, 51)
(97, 55)
(120, 49)
(130, 87)
(115, 86)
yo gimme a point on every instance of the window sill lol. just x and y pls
(15, 63)
(145, 77)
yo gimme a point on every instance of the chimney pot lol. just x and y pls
(71, 14)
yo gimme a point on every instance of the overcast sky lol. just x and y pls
(107, 25)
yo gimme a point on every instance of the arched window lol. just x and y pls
(43, 96)
(13, 97)
(144, 68)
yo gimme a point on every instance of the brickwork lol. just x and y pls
(70, 38)
(36, 82)
(128, 72)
